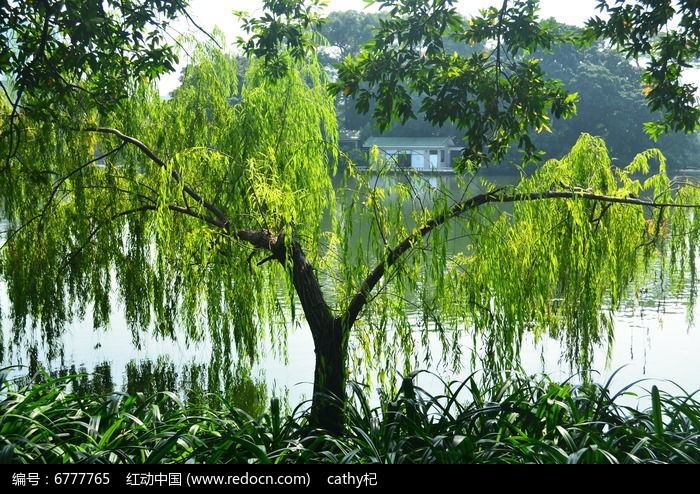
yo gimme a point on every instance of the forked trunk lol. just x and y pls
(330, 341)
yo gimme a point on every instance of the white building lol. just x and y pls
(419, 153)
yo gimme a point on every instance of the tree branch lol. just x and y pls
(147, 207)
(97, 228)
(211, 38)
(194, 214)
(223, 219)
(360, 299)
(317, 312)
(261, 239)
(54, 190)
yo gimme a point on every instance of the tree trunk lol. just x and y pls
(327, 408)
(330, 341)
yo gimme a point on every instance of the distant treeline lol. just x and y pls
(611, 101)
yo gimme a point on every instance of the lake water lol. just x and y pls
(654, 339)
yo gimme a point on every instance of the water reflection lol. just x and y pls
(213, 385)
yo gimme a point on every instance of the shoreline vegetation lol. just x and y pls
(504, 418)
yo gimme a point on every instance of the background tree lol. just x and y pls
(345, 33)
(495, 98)
(663, 35)
(611, 102)
(611, 105)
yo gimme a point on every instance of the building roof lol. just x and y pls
(408, 142)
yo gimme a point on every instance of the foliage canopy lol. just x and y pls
(54, 52)
(137, 228)
(79, 231)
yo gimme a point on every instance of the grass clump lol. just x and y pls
(512, 419)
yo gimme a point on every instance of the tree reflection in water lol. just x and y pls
(214, 385)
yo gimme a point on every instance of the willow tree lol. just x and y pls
(212, 208)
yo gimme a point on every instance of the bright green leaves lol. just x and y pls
(125, 231)
(517, 24)
(496, 97)
(203, 101)
(539, 264)
(551, 266)
(265, 161)
(278, 152)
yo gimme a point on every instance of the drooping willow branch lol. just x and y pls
(55, 190)
(304, 278)
(223, 219)
(361, 298)
(262, 239)
(147, 207)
